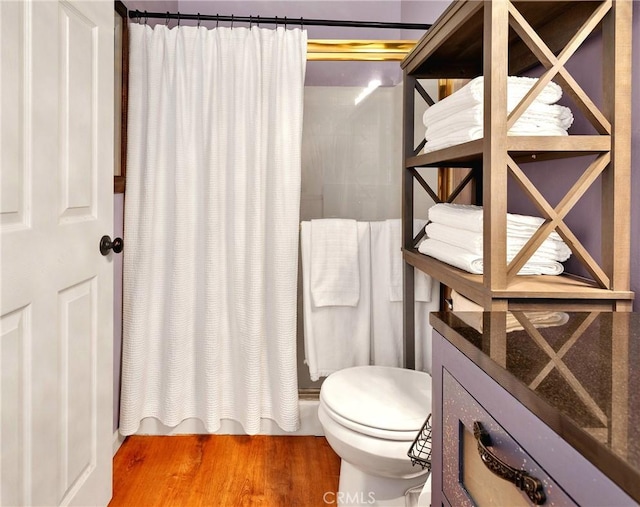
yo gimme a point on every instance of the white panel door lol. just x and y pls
(56, 336)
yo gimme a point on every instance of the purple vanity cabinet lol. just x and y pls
(482, 430)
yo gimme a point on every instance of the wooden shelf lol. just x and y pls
(453, 46)
(496, 39)
(524, 291)
(522, 149)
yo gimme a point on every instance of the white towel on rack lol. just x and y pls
(437, 140)
(472, 94)
(537, 115)
(470, 217)
(471, 240)
(471, 313)
(473, 263)
(386, 318)
(422, 282)
(336, 337)
(335, 273)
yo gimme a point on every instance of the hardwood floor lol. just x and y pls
(225, 470)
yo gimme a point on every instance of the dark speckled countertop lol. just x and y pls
(579, 372)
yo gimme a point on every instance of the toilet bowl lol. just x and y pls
(371, 416)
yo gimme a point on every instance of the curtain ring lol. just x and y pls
(146, 17)
(198, 20)
(166, 21)
(232, 21)
(285, 22)
(178, 18)
(301, 23)
(217, 20)
(258, 22)
(276, 22)
(250, 21)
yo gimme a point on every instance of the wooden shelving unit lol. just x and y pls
(507, 37)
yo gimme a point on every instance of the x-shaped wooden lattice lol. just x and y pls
(556, 362)
(556, 68)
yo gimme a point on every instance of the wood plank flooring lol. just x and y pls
(225, 470)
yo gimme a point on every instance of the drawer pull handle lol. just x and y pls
(530, 485)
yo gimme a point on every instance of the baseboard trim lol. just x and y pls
(117, 441)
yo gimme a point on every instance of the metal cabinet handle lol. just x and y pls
(106, 244)
(530, 485)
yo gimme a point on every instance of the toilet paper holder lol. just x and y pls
(420, 450)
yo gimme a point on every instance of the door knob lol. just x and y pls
(106, 244)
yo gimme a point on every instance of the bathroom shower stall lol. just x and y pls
(348, 168)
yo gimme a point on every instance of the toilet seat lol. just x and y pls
(379, 401)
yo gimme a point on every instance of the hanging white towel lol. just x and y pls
(335, 273)
(336, 337)
(386, 318)
(473, 263)
(422, 282)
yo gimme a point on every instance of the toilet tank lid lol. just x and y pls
(383, 397)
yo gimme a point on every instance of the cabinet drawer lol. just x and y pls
(466, 480)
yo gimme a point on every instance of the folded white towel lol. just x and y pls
(440, 141)
(473, 263)
(336, 337)
(471, 313)
(470, 217)
(472, 94)
(422, 282)
(335, 276)
(537, 114)
(473, 241)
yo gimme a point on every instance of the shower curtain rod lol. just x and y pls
(140, 15)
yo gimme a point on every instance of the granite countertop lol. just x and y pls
(579, 372)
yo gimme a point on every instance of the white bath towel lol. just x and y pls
(441, 141)
(537, 114)
(470, 217)
(387, 315)
(471, 313)
(335, 273)
(471, 240)
(422, 282)
(336, 337)
(473, 263)
(472, 94)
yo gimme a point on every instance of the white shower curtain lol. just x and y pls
(211, 226)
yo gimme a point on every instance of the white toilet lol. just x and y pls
(371, 416)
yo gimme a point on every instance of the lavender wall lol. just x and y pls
(554, 178)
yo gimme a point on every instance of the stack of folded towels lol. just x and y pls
(454, 236)
(458, 118)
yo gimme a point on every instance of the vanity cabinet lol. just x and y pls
(562, 464)
(467, 479)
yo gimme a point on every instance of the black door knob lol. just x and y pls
(106, 244)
